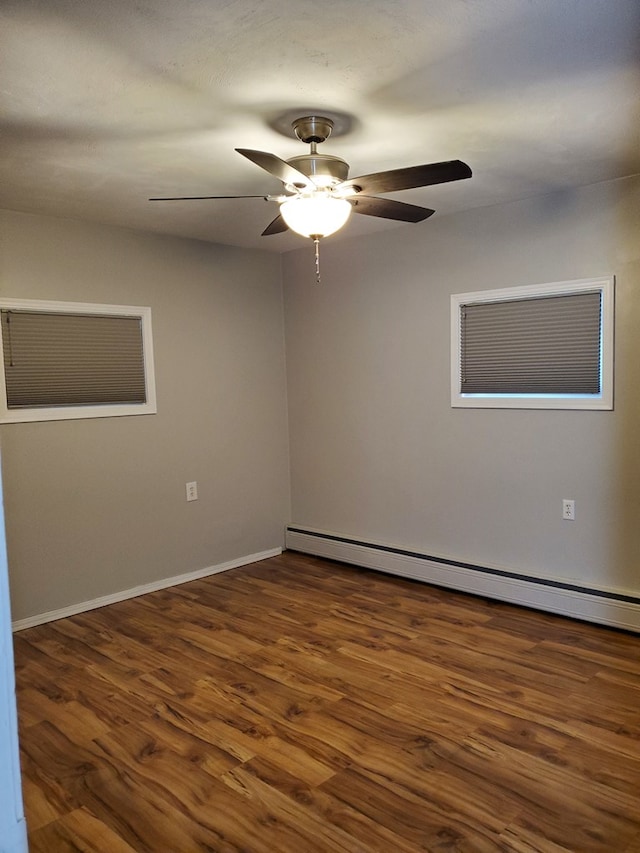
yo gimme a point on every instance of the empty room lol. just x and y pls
(319, 426)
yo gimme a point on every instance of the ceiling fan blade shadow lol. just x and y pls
(204, 197)
(276, 226)
(276, 167)
(388, 209)
(409, 178)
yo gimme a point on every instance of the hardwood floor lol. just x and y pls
(298, 705)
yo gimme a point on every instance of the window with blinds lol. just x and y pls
(548, 346)
(70, 360)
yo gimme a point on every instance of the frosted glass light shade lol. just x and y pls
(315, 215)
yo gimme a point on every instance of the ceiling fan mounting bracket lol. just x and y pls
(284, 122)
(312, 129)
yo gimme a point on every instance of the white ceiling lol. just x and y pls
(107, 102)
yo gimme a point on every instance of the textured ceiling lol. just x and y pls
(107, 102)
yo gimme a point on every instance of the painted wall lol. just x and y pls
(376, 451)
(94, 507)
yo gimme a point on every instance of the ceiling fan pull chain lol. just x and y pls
(316, 243)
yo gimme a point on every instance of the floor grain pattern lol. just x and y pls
(301, 706)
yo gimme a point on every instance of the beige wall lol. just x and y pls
(376, 451)
(94, 507)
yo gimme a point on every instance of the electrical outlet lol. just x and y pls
(192, 491)
(568, 509)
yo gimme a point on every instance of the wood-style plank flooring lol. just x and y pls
(298, 705)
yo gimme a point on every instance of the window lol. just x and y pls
(65, 360)
(546, 346)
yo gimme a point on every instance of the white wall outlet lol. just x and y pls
(568, 509)
(192, 491)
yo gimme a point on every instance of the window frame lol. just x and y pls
(601, 401)
(79, 412)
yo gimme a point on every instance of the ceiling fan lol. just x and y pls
(319, 196)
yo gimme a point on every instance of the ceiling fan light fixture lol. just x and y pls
(317, 215)
(319, 195)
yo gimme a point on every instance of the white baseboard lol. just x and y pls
(616, 608)
(83, 606)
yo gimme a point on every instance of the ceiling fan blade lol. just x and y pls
(204, 197)
(389, 209)
(276, 226)
(277, 167)
(412, 176)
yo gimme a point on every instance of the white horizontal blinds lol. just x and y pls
(57, 359)
(539, 345)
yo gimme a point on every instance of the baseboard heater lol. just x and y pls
(615, 608)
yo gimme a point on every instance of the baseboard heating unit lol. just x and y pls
(615, 608)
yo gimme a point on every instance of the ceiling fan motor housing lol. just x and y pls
(323, 169)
